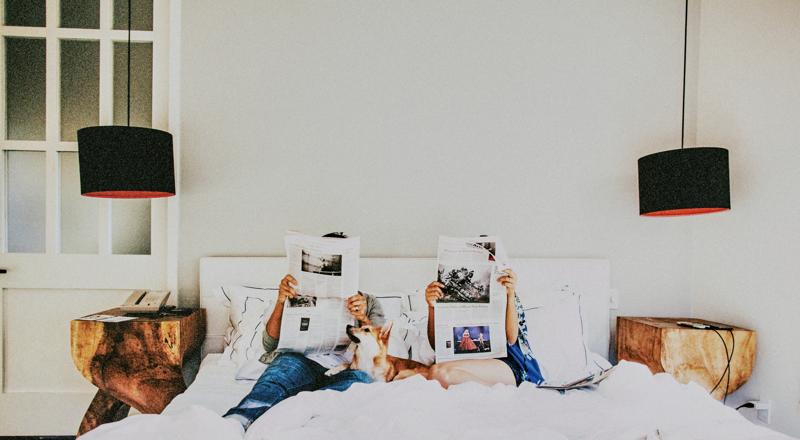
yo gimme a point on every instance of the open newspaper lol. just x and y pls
(314, 323)
(470, 318)
(588, 381)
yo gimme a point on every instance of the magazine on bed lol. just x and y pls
(470, 318)
(592, 379)
(326, 270)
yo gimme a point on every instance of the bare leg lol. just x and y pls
(484, 371)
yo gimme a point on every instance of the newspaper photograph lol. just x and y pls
(323, 266)
(470, 317)
(314, 322)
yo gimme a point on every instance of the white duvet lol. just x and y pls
(630, 404)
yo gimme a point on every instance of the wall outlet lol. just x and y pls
(613, 295)
(763, 409)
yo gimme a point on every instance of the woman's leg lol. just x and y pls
(484, 371)
(287, 375)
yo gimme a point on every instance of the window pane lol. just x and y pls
(84, 14)
(25, 88)
(80, 86)
(25, 13)
(26, 201)
(130, 226)
(142, 18)
(141, 84)
(78, 214)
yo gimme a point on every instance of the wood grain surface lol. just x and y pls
(135, 363)
(689, 355)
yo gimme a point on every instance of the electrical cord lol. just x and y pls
(130, 14)
(729, 358)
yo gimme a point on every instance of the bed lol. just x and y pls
(631, 404)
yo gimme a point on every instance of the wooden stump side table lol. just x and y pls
(688, 354)
(136, 363)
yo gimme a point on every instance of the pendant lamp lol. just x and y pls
(684, 181)
(123, 161)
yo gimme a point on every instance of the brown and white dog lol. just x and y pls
(371, 345)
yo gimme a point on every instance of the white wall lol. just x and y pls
(744, 267)
(398, 121)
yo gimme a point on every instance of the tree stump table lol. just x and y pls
(688, 354)
(136, 363)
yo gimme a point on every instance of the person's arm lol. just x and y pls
(431, 327)
(432, 293)
(365, 309)
(375, 315)
(285, 291)
(509, 281)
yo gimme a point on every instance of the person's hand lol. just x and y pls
(286, 289)
(433, 293)
(357, 305)
(509, 281)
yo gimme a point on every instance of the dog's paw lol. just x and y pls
(334, 371)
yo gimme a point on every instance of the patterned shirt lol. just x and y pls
(521, 350)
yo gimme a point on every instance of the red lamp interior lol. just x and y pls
(683, 211)
(129, 194)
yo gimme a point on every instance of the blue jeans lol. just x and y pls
(287, 375)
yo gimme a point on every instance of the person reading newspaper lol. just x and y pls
(289, 373)
(516, 367)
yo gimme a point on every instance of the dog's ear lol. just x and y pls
(385, 330)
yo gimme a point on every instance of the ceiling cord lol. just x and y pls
(683, 101)
(130, 13)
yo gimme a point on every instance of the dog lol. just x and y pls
(370, 355)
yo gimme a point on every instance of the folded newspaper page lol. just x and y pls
(470, 318)
(314, 323)
(592, 379)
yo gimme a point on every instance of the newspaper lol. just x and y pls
(588, 381)
(107, 318)
(470, 318)
(314, 323)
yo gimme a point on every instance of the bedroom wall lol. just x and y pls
(744, 263)
(399, 121)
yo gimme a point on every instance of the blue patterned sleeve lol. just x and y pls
(522, 349)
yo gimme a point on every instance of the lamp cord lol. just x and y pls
(727, 370)
(683, 101)
(130, 13)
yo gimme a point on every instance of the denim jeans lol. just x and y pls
(287, 375)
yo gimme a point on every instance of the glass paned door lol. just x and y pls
(69, 255)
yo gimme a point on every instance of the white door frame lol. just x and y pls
(44, 413)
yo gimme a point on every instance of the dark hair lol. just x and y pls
(335, 235)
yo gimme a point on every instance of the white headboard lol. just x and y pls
(539, 279)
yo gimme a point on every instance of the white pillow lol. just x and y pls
(409, 338)
(249, 310)
(556, 337)
(393, 304)
(416, 301)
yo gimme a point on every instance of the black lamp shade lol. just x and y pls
(684, 182)
(125, 162)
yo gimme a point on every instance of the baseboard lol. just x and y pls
(39, 437)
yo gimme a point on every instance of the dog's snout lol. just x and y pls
(351, 335)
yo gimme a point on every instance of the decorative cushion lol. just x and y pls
(249, 309)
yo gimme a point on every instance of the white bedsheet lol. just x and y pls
(214, 387)
(631, 404)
